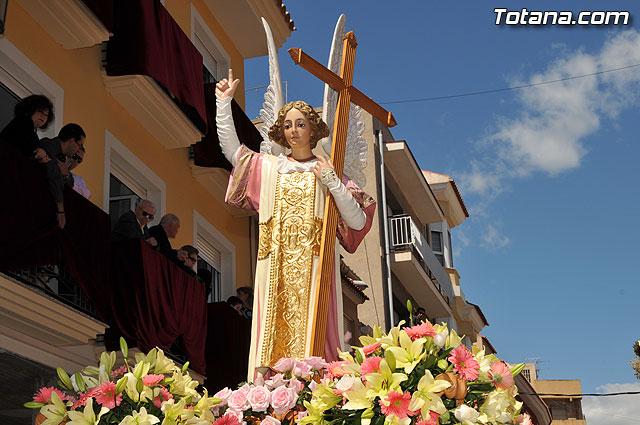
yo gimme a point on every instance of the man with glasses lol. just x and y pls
(133, 224)
(76, 182)
(190, 259)
(70, 139)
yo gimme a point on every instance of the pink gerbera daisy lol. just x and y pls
(81, 401)
(105, 394)
(119, 371)
(151, 380)
(44, 395)
(336, 369)
(465, 364)
(396, 403)
(227, 419)
(164, 396)
(501, 375)
(371, 348)
(370, 365)
(418, 331)
(433, 419)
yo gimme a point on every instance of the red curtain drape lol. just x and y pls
(147, 41)
(228, 340)
(154, 301)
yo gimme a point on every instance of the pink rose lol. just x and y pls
(296, 385)
(238, 400)
(258, 398)
(316, 363)
(245, 388)
(270, 420)
(301, 369)
(284, 364)
(283, 399)
(276, 381)
(223, 395)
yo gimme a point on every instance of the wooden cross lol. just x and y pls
(347, 94)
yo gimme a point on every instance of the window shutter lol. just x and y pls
(209, 252)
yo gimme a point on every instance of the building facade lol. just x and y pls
(134, 75)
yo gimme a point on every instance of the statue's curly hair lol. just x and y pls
(319, 128)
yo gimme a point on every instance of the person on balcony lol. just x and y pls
(190, 260)
(168, 228)
(133, 224)
(76, 182)
(70, 139)
(30, 114)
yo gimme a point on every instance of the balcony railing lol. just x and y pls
(56, 282)
(405, 236)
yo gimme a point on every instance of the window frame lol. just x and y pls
(213, 54)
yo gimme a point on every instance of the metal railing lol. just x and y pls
(405, 236)
(55, 282)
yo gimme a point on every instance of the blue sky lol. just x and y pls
(549, 173)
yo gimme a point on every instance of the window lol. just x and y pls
(127, 179)
(436, 246)
(20, 78)
(121, 199)
(215, 60)
(218, 256)
(450, 249)
(8, 101)
(215, 290)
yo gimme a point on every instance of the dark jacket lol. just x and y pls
(21, 134)
(54, 175)
(127, 227)
(164, 246)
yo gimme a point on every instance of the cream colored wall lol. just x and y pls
(366, 261)
(557, 386)
(86, 102)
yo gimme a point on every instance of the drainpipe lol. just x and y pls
(385, 221)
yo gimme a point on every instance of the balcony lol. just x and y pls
(418, 268)
(59, 289)
(70, 22)
(408, 183)
(156, 73)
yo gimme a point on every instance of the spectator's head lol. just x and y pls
(171, 225)
(245, 293)
(72, 138)
(145, 211)
(421, 314)
(192, 256)
(76, 159)
(235, 302)
(38, 107)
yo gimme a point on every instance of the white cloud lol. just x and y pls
(548, 133)
(493, 239)
(619, 410)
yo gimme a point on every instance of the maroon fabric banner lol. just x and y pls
(228, 340)
(30, 236)
(207, 151)
(147, 41)
(154, 301)
(103, 9)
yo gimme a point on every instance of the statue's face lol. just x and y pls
(297, 129)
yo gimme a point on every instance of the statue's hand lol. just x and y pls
(325, 172)
(227, 86)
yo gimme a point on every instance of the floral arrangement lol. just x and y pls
(419, 375)
(277, 400)
(154, 390)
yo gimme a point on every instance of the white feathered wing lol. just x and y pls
(355, 156)
(273, 99)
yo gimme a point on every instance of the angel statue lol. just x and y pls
(288, 191)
